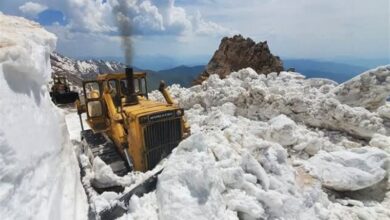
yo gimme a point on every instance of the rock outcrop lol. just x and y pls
(237, 53)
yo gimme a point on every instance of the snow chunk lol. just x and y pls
(369, 89)
(190, 180)
(381, 142)
(282, 130)
(384, 111)
(349, 170)
(144, 208)
(239, 201)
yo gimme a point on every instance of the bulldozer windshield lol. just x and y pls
(59, 80)
(139, 85)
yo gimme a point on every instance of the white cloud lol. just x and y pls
(89, 16)
(299, 29)
(203, 27)
(32, 9)
(149, 17)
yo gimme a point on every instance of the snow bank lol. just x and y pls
(370, 89)
(267, 148)
(261, 98)
(264, 148)
(221, 174)
(39, 172)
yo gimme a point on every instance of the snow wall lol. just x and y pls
(39, 174)
(277, 147)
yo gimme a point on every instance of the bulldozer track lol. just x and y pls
(103, 147)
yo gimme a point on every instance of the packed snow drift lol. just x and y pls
(39, 174)
(276, 147)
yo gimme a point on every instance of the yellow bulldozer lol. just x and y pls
(60, 92)
(127, 130)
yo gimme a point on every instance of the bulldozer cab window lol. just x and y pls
(113, 88)
(144, 87)
(123, 87)
(62, 81)
(136, 86)
(95, 109)
(139, 87)
(92, 90)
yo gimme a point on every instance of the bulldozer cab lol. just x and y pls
(116, 86)
(143, 131)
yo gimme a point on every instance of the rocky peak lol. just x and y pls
(236, 53)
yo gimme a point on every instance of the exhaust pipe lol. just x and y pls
(131, 97)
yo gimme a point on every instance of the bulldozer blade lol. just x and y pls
(64, 98)
(121, 207)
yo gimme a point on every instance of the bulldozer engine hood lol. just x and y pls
(154, 110)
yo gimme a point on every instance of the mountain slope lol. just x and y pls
(88, 69)
(338, 72)
(182, 75)
(83, 68)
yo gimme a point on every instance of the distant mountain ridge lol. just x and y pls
(89, 69)
(185, 75)
(83, 68)
(338, 72)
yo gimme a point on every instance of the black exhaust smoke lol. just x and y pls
(131, 96)
(122, 16)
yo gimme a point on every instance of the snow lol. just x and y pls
(350, 170)
(384, 111)
(259, 147)
(370, 89)
(275, 143)
(282, 130)
(381, 142)
(39, 172)
(260, 98)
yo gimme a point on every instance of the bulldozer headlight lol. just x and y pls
(179, 112)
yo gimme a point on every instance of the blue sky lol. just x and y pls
(189, 31)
